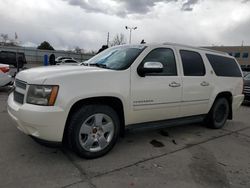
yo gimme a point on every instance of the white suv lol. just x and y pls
(89, 106)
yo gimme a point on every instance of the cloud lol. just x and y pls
(86, 23)
(90, 6)
(123, 8)
(188, 5)
(141, 6)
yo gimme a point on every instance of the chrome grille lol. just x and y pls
(20, 90)
(18, 97)
(20, 84)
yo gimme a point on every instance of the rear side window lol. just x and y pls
(192, 63)
(224, 66)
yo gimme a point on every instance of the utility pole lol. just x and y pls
(108, 39)
(130, 32)
(242, 44)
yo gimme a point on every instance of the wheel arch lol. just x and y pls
(113, 102)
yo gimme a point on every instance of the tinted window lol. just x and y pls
(4, 55)
(164, 56)
(70, 61)
(8, 57)
(224, 66)
(237, 54)
(245, 55)
(12, 55)
(192, 63)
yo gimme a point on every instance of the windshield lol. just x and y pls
(116, 58)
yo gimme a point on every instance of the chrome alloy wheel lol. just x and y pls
(96, 132)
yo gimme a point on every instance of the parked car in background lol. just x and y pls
(246, 90)
(60, 58)
(68, 62)
(126, 86)
(5, 78)
(11, 58)
(245, 68)
(245, 73)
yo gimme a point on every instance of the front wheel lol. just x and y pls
(219, 113)
(93, 130)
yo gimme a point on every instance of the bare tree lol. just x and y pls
(119, 39)
(5, 37)
(77, 50)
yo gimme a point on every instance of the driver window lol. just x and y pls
(164, 56)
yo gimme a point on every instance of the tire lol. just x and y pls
(93, 131)
(219, 113)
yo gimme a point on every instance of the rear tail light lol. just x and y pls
(4, 69)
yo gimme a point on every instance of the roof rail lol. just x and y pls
(193, 47)
(215, 51)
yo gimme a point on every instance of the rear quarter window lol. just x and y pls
(224, 66)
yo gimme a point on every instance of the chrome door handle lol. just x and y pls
(174, 84)
(204, 83)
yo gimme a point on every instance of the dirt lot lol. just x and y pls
(186, 156)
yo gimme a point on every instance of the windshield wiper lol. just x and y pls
(84, 64)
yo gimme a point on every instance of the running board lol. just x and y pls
(164, 123)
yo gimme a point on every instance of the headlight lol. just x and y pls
(42, 95)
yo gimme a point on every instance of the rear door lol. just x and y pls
(197, 87)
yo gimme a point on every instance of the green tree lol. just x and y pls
(45, 46)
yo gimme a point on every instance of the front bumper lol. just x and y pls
(43, 122)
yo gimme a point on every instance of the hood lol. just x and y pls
(40, 74)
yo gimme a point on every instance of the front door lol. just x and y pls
(156, 96)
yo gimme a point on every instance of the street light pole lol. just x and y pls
(130, 32)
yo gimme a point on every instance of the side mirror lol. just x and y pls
(150, 67)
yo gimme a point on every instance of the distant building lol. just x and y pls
(241, 53)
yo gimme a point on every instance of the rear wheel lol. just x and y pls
(219, 113)
(93, 130)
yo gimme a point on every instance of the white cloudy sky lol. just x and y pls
(85, 23)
